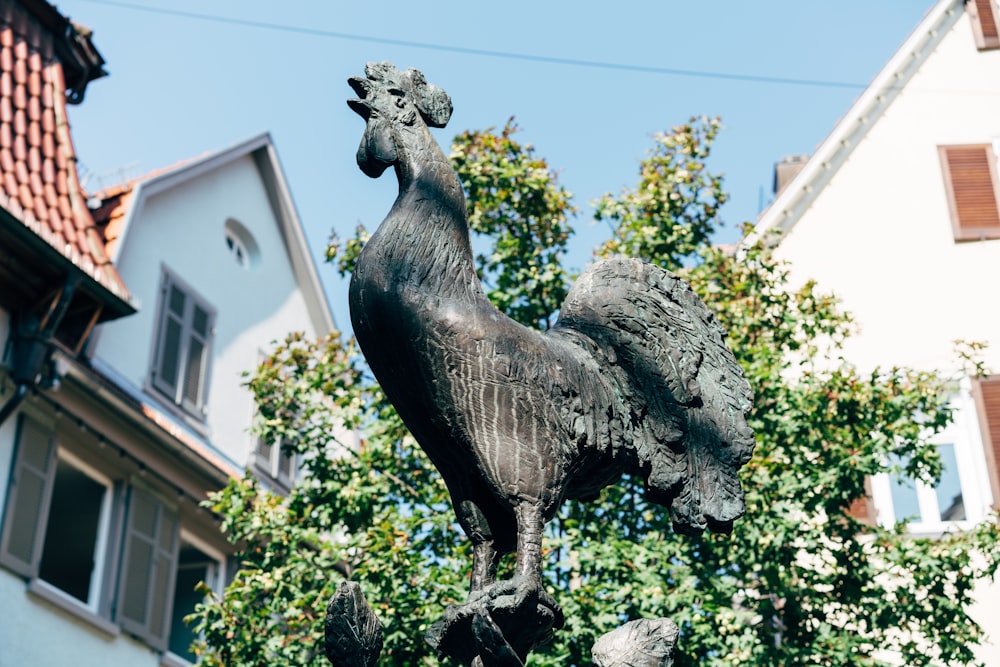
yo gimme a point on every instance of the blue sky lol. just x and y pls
(589, 83)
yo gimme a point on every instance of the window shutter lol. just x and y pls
(988, 403)
(28, 497)
(166, 376)
(984, 16)
(148, 569)
(195, 366)
(863, 509)
(970, 176)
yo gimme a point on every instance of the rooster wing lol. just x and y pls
(684, 396)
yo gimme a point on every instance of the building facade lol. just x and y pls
(127, 320)
(898, 213)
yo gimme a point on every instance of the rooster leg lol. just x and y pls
(485, 560)
(529, 543)
(485, 557)
(524, 592)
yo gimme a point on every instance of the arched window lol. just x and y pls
(241, 244)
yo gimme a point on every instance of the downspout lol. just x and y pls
(31, 345)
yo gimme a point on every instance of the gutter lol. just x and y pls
(159, 427)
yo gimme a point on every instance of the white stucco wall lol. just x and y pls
(34, 632)
(880, 235)
(182, 228)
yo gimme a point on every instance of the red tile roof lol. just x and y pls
(39, 185)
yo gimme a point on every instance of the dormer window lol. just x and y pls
(184, 332)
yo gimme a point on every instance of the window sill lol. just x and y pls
(197, 423)
(71, 605)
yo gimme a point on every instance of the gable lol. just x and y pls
(213, 237)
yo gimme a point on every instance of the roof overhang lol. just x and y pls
(32, 271)
(789, 205)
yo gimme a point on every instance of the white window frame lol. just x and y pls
(98, 581)
(964, 434)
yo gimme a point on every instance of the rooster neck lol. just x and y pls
(422, 248)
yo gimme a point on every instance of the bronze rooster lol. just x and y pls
(634, 377)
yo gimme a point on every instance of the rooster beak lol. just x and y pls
(360, 107)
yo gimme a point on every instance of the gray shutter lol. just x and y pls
(286, 466)
(28, 497)
(198, 336)
(145, 588)
(170, 339)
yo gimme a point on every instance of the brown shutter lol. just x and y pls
(148, 569)
(28, 496)
(984, 16)
(987, 394)
(863, 509)
(970, 176)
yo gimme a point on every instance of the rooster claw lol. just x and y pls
(518, 611)
(517, 596)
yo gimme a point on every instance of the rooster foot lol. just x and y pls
(523, 597)
(509, 618)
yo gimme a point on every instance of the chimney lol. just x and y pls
(786, 170)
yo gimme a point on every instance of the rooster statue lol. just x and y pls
(634, 377)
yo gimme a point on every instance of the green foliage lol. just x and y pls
(800, 581)
(674, 208)
(515, 200)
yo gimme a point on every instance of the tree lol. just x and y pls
(799, 581)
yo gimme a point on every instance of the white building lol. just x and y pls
(898, 213)
(125, 330)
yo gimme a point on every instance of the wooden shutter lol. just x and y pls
(28, 497)
(970, 174)
(148, 569)
(987, 395)
(985, 18)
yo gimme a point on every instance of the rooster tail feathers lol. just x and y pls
(685, 398)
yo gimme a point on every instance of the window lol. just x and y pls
(960, 498)
(915, 501)
(63, 533)
(183, 346)
(984, 15)
(238, 250)
(971, 183)
(196, 563)
(74, 548)
(241, 244)
(274, 463)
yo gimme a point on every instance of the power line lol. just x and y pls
(508, 55)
